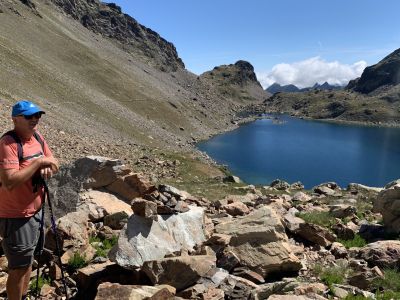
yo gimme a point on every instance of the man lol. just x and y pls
(20, 204)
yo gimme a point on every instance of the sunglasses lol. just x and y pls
(37, 115)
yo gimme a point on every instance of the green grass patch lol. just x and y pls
(77, 261)
(41, 282)
(356, 297)
(331, 275)
(387, 295)
(390, 281)
(103, 246)
(358, 241)
(322, 218)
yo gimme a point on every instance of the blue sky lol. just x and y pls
(287, 41)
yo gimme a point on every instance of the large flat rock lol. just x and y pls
(145, 240)
(259, 241)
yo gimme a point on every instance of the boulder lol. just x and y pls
(182, 195)
(99, 171)
(301, 197)
(363, 279)
(117, 220)
(259, 242)
(280, 185)
(292, 222)
(315, 234)
(388, 204)
(384, 254)
(342, 211)
(146, 240)
(232, 179)
(355, 188)
(88, 275)
(236, 209)
(144, 208)
(338, 250)
(236, 287)
(130, 186)
(72, 232)
(180, 272)
(115, 291)
(202, 291)
(343, 231)
(100, 204)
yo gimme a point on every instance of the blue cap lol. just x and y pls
(26, 108)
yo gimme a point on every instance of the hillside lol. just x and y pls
(236, 80)
(99, 84)
(374, 98)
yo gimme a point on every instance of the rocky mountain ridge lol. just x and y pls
(384, 73)
(291, 88)
(108, 20)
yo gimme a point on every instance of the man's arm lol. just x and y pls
(11, 178)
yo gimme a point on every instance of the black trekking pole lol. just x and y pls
(41, 246)
(54, 229)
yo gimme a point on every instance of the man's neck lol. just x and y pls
(23, 135)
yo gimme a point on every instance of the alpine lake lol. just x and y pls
(313, 152)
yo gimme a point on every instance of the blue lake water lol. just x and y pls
(312, 152)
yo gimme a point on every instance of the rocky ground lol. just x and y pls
(124, 237)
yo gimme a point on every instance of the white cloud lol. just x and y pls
(307, 72)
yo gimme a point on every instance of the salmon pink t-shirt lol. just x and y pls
(20, 202)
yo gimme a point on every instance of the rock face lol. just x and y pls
(108, 20)
(386, 72)
(179, 272)
(384, 254)
(259, 242)
(115, 291)
(145, 240)
(388, 204)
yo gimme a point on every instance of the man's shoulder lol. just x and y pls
(7, 140)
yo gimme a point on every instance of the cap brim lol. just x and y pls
(32, 111)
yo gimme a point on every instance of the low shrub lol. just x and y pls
(103, 246)
(41, 282)
(321, 218)
(357, 241)
(77, 261)
(390, 281)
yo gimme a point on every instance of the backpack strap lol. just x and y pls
(17, 140)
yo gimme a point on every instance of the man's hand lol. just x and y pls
(46, 172)
(48, 164)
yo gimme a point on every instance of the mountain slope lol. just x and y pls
(98, 89)
(237, 81)
(384, 73)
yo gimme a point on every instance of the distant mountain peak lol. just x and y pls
(384, 73)
(291, 88)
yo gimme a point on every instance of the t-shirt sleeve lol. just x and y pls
(8, 154)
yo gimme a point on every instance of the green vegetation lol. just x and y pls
(358, 241)
(103, 246)
(390, 281)
(331, 275)
(76, 262)
(387, 295)
(321, 218)
(42, 281)
(356, 297)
